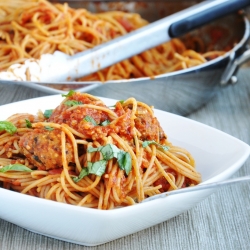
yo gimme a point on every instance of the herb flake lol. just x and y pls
(82, 174)
(8, 127)
(47, 113)
(48, 128)
(72, 103)
(90, 119)
(28, 123)
(69, 94)
(15, 167)
(105, 123)
(147, 143)
(98, 168)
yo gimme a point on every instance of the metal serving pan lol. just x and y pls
(180, 92)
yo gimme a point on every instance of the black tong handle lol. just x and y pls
(187, 24)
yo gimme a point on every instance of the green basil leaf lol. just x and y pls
(99, 149)
(47, 113)
(70, 93)
(124, 161)
(72, 103)
(98, 167)
(147, 143)
(90, 119)
(91, 149)
(15, 167)
(84, 172)
(121, 101)
(110, 151)
(8, 127)
(49, 128)
(28, 123)
(105, 123)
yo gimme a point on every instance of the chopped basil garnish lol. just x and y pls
(83, 173)
(49, 128)
(70, 93)
(124, 161)
(121, 101)
(15, 167)
(108, 152)
(90, 119)
(47, 113)
(147, 143)
(8, 127)
(28, 123)
(72, 103)
(105, 123)
(98, 168)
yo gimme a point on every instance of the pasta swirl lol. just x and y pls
(87, 154)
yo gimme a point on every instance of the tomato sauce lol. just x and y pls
(75, 118)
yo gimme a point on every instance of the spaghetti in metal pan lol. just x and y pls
(31, 28)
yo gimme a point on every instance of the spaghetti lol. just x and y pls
(87, 154)
(31, 28)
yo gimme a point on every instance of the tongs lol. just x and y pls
(60, 68)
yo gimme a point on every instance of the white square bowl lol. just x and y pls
(217, 156)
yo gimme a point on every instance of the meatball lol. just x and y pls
(43, 148)
(99, 126)
(64, 114)
(75, 118)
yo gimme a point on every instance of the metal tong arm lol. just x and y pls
(158, 32)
